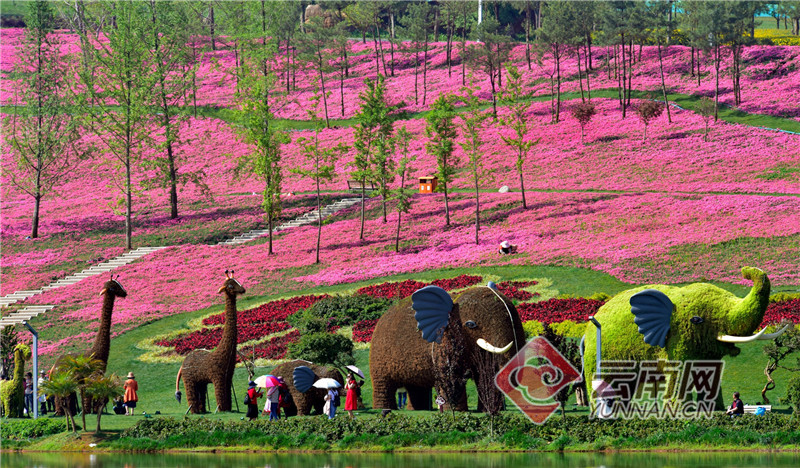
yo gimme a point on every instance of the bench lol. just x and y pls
(751, 409)
(356, 185)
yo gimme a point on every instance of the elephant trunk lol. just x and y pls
(745, 317)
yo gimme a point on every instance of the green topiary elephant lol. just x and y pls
(698, 321)
(12, 392)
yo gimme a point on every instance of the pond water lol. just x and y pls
(458, 460)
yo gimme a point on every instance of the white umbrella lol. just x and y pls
(355, 369)
(327, 383)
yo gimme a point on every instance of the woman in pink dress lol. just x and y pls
(351, 403)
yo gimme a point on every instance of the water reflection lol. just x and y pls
(458, 460)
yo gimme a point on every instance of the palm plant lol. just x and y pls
(101, 388)
(62, 385)
(82, 367)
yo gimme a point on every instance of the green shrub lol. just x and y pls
(24, 429)
(323, 348)
(511, 429)
(783, 297)
(599, 296)
(533, 328)
(338, 311)
(793, 393)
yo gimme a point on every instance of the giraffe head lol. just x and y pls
(231, 287)
(114, 287)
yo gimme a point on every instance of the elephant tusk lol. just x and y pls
(772, 336)
(493, 349)
(742, 339)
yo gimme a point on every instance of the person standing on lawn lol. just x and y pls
(131, 387)
(351, 401)
(252, 401)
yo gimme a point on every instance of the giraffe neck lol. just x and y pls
(227, 345)
(19, 366)
(102, 342)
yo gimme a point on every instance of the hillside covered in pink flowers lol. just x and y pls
(671, 208)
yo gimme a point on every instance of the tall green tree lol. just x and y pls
(402, 195)
(372, 141)
(714, 25)
(489, 54)
(472, 123)
(41, 134)
(284, 24)
(417, 23)
(119, 96)
(341, 46)
(167, 42)
(518, 119)
(321, 165)
(441, 133)
(315, 49)
(557, 32)
(264, 162)
(617, 32)
(660, 30)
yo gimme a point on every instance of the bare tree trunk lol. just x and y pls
(477, 211)
(528, 33)
(319, 221)
(770, 382)
(213, 27)
(716, 85)
(580, 76)
(425, 71)
(663, 84)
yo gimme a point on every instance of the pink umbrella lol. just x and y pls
(266, 381)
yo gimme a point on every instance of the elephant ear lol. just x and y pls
(653, 311)
(303, 378)
(432, 306)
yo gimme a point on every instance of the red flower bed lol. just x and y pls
(392, 290)
(275, 348)
(209, 338)
(273, 310)
(777, 311)
(407, 287)
(362, 331)
(458, 282)
(511, 289)
(558, 310)
(252, 323)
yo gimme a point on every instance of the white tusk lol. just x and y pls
(772, 336)
(742, 339)
(493, 349)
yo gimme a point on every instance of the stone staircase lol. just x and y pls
(308, 218)
(24, 315)
(104, 267)
(129, 257)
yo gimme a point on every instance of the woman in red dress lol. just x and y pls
(351, 403)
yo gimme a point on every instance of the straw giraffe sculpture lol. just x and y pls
(202, 367)
(101, 347)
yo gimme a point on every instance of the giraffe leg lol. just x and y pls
(222, 392)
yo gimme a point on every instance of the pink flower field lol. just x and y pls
(672, 208)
